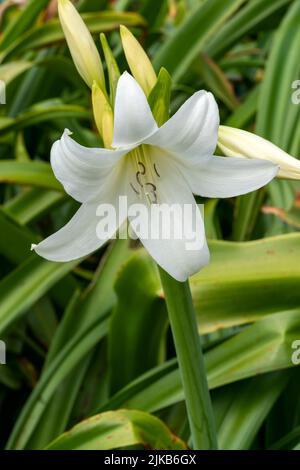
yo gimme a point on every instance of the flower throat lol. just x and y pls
(146, 175)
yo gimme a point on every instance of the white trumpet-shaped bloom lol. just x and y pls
(150, 165)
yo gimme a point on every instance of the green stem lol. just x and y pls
(247, 211)
(191, 362)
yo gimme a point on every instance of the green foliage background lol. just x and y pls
(91, 338)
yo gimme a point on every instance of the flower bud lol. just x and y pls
(81, 44)
(138, 61)
(103, 115)
(239, 143)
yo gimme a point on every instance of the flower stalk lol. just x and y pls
(191, 362)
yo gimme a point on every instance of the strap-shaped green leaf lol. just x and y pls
(119, 429)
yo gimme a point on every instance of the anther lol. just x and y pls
(135, 190)
(140, 173)
(155, 169)
(153, 193)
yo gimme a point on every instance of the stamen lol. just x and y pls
(152, 186)
(152, 193)
(135, 190)
(145, 175)
(140, 173)
(143, 167)
(155, 169)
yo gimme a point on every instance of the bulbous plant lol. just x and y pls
(153, 160)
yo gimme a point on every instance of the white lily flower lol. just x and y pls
(239, 143)
(149, 165)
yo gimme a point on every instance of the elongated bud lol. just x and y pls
(81, 44)
(138, 61)
(103, 115)
(108, 125)
(239, 143)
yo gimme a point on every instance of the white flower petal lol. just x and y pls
(193, 131)
(183, 254)
(82, 170)
(76, 239)
(133, 120)
(84, 233)
(228, 176)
